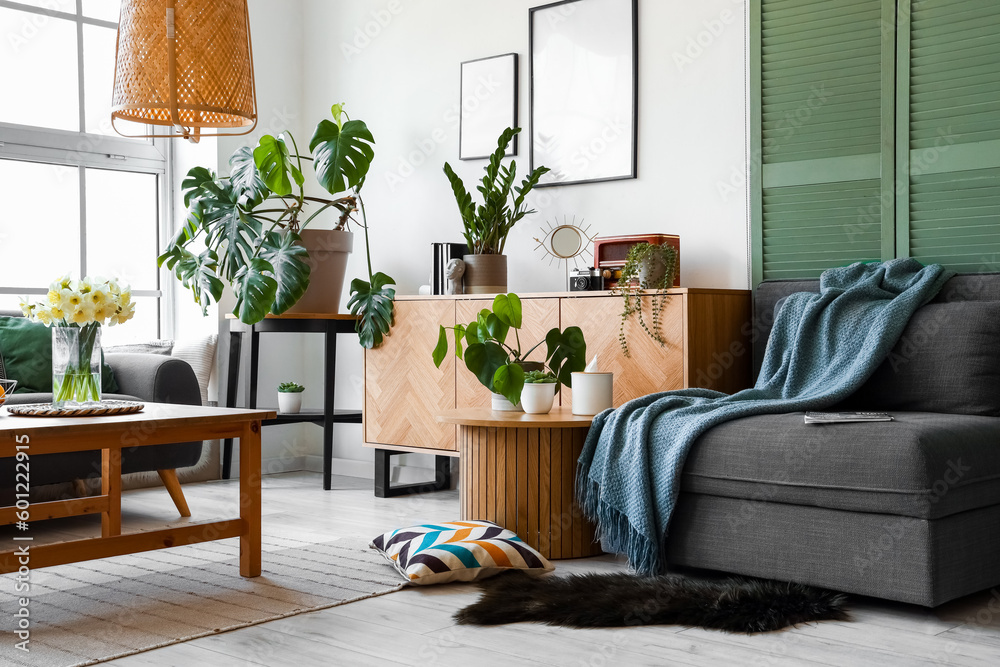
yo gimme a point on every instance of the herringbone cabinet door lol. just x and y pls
(650, 368)
(539, 316)
(403, 390)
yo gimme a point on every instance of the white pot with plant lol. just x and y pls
(487, 225)
(249, 230)
(290, 398)
(539, 392)
(491, 350)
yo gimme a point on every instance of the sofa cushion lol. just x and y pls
(946, 361)
(924, 465)
(26, 348)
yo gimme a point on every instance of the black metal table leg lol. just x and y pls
(329, 388)
(254, 367)
(232, 386)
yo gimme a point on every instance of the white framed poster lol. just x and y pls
(489, 105)
(584, 90)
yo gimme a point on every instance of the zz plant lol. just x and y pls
(497, 361)
(244, 229)
(642, 266)
(487, 225)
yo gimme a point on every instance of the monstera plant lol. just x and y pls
(245, 229)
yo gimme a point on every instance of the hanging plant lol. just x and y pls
(648, 267)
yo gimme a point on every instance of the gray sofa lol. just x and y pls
(907, 510)
(141, 377)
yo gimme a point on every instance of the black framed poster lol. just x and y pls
(489, 105)
(584, 90)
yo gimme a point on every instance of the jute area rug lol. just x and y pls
(104, 609)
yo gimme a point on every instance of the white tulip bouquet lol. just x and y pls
(75, 311)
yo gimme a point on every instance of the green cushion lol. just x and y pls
(26, 347)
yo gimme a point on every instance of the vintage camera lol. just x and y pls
(584, 280)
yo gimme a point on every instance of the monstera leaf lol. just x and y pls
(246, 179)
(196, 272)
(287, 258)
(342, 155)
(372, 304)
(255, 290)
(484, 360)
(509, 381)
(274, 161)
(193, 182)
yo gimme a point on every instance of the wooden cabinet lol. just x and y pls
(707, 345)
(403, 389)
(540, 316)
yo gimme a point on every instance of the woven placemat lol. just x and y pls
(102, 409)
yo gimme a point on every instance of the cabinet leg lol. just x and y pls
(383, 470)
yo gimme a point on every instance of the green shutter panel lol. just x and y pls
(948, 133)
(822, 116)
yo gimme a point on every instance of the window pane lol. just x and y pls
(40, 227)
(98, 77)
(107, 10)
(140, 329)
(68, 6)
(12, 302)
(122, 236)
(38, 71)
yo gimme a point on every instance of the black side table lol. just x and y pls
(329, 326)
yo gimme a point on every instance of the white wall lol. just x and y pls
(396, 65)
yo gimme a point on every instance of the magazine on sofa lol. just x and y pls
(845, 417)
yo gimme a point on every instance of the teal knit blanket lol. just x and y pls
(822, 348)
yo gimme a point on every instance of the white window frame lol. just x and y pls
(85, 150)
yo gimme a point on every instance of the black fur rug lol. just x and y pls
(621, 600)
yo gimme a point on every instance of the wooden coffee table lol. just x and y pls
(518, 470)
(157, 424)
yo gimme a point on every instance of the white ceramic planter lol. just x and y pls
(537, 397)
(501, 404)
(289, 403)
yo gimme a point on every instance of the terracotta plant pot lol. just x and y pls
(328, 251)
(485, 274)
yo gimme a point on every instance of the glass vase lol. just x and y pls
(76, 366)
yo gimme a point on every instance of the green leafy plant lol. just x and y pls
(487, 225)
(290, 388)
(641, 273)
(540, 377)
(247, 225)
(497, 362)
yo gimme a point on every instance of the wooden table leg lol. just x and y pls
(250, 540)
(111, 486)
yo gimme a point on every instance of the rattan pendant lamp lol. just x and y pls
(185, 64)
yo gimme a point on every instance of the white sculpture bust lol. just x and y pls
(454, 271)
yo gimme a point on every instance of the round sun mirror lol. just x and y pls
(566, 241)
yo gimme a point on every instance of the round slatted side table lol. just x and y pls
(518, 470)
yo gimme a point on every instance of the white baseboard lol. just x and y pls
(345, 467)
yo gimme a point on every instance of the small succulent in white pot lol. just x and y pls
(290, 397)
(539, 392)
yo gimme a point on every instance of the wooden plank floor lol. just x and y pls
(414, 626)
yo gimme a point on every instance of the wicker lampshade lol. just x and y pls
(186, 64)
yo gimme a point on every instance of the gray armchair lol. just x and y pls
(151, 378)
